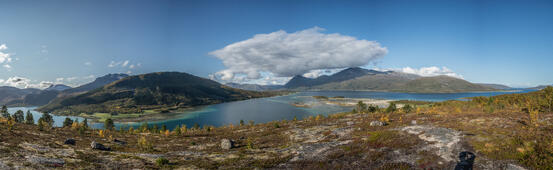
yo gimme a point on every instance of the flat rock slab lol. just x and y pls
(445, 142)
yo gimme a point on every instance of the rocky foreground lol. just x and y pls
(345, 141)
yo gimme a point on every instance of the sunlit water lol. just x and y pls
(274, 108)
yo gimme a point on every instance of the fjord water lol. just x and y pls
(264, 110)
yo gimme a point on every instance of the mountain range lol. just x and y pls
(356, 78)
(359, 79)
(12, 96)
(159, 90)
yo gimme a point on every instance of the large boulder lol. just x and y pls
(69, 142)
(99, 146)
(227, 144)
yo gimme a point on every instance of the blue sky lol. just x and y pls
(508, 42)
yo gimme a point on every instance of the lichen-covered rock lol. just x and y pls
(99, 146)
(227, 144)
(377, 123)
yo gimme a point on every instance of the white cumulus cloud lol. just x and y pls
(288, 54)
(22, 82)
(431, 71)
(5, 57)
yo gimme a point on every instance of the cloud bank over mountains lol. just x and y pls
(286, 54)
(431, 71)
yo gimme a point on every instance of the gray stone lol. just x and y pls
(227, 144)
(349, 123)
(377, 123)
(413, 122)
(99, 146)
(120, 142)
(69, 142)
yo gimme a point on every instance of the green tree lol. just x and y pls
(242, 123)
(18, 116)
(108, 124)
(5, 112)
(29, 118)
(67, 122)
(372, 109)
(177, 130)
(391, 108)
(45, 121)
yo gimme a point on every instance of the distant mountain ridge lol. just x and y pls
(495, 86)
(346, 74)
(146, 91)
(57, 87)
(97, 83)
(255, 87)
(12, 96)
(363, 79)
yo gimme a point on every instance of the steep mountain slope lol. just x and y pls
(154, 90)
(440, 84)
(8, 93)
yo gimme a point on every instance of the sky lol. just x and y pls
(267, 42)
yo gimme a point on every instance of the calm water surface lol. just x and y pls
(276, 108)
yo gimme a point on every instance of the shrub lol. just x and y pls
(391, 108)
(183, 128)
(85, 123)
(161, 161)
(108, 124)
(251, 122)
(155, 129)
(372, 109)
(67, 122)
(276, 125)
(82, 130)
(407, 108)
(163, 128)
(29, 118)
(177, 130)
(242, 123)
(143, 127)
(144, 145)
(361, 107)
(10, 123)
